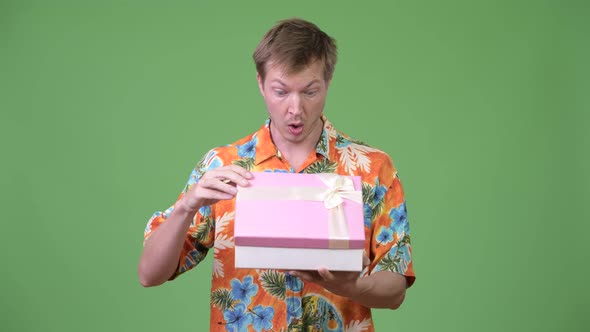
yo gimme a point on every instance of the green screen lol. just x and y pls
(106, 106)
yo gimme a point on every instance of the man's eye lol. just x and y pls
(280, 93)
(311, 93)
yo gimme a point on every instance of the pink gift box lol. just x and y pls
(279, 227)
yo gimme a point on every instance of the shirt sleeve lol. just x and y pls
(390, 245)
(201, 233)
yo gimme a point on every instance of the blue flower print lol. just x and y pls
(368, 212)
(385, 235)
(237, 319)
(205, 211)
(293, 308)
(248, 149)
(216, 162)
(293, 283)
(379, 192)
(210, 162)
(263, 317)
(399, 217)
(243, 291)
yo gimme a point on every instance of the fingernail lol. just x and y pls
(249, 175)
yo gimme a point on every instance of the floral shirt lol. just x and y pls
(273, 300)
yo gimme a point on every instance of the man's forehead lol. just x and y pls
(282, 72)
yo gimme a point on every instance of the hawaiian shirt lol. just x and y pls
(273, 300)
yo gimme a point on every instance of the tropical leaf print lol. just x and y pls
(323, 144)
(368, 194)
(398, 257)
(332, 132)
(377, 209)
(369, 198)
(247, 163)
(208, 162)
(402, 255)
(203, 229)
(358, 326)
(273, 283)
(311, 315)
(320, 314)
(309, 319)
(223, 221)
(222, 299)
(218, 271)
(356, 141)
(222, 241)
(404, 241)
(322, 166)
(387, 264)
(354, 156)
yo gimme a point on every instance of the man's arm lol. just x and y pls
(162, 249)
(159, 258)
(383, 289)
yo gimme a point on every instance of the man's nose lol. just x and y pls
(295, 106)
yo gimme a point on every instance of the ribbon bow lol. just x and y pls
(339, 187)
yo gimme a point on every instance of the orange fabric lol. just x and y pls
(260, 300)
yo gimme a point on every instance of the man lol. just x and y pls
(295, 62)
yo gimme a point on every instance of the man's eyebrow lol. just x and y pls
(312, 83)
(276, 80)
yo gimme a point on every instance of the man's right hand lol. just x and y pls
(215, 185)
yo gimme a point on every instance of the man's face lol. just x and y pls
(295, 103)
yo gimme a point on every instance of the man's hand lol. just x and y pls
(341, 283)
(159, 258)
(215, 185)
(383, 289)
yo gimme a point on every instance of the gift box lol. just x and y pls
(300, 222)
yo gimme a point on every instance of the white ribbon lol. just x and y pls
(338, 188)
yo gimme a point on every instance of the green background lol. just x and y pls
(106, 106)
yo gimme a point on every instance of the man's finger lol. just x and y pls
(231, 177)
(241, 170)
(366, 261)
(326, 274)
(217, 185)
(305, 275)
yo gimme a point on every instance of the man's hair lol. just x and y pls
(295, 44)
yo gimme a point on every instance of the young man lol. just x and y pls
(295, 61)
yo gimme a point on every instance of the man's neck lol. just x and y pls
(296, 153)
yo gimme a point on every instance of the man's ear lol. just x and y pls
(260, 84)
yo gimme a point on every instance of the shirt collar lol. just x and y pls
(265, 148)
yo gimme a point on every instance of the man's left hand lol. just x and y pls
(341, 283)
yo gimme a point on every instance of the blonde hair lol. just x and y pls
(295, 44)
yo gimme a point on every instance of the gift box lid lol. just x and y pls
(270, 220)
